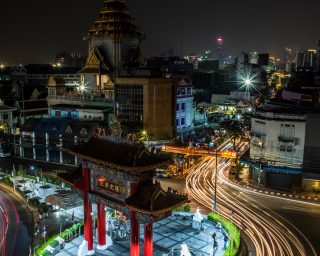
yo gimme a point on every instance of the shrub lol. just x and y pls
(7, 180)
(187, 208)
(232, 230)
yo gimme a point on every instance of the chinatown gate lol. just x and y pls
(119, 174)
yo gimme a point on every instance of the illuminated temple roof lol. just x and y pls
(114, 20)
(95, 63)
(120, 155)
(152, 199)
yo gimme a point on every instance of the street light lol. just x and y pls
(215, 183)
(248, 82)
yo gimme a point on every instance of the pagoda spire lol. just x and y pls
(113, 21)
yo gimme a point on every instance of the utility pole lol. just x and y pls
(215, 183)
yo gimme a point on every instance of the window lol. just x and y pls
(183, 106)
(129, 104)
(183, 122)
(287, 131)
(178, 107)
(177, 122)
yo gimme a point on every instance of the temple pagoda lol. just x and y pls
(119, 174)
(114, 43)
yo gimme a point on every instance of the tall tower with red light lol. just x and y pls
(219, 49)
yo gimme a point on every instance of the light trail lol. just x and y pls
(270, 234)
(9, 221)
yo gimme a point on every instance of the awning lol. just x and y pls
(271, 169)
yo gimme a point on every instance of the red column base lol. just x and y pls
(134, 235)
(102, 242)
(148, 240)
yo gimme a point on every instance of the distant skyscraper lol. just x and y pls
(288, 58)
(307, 59)
(219, 49)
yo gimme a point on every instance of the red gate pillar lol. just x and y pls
(88, 227)
(134, 235)
(102, 242)
(134, 228)
(148, 240)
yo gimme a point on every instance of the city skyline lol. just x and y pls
(39, 30)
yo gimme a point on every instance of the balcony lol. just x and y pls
(257, 135)
(257, 139)
(81, 101)
(286, 139)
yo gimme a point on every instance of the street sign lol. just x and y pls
(228, 154)
(192, 151)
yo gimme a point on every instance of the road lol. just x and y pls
(15, 226)
(275, 226)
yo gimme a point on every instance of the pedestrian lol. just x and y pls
(215, 246)
(226, 239)
(214, 236)
(219, 227)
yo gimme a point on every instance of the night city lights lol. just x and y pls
(159, 128)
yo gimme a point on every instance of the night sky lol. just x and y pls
(35, 30)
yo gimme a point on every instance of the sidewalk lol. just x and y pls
(300, 196)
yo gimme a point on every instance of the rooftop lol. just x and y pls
(121, 155)
(60, 126)
(152, 199)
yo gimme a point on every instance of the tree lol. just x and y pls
(234, 130)
(237, 170)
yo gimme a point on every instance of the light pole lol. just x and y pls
(260, 164)
(215, 183)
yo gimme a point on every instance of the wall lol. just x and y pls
(159, 104)
(312, 146)
(266, 142)
(187, 114)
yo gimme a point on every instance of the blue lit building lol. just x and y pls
(185, 110)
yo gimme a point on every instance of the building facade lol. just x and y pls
(147, 103)
(277, 148)
(185, 108)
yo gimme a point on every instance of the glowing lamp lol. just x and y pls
(248, 82)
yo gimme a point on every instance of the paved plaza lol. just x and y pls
(168, 235)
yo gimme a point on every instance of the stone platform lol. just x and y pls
(168, 235)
